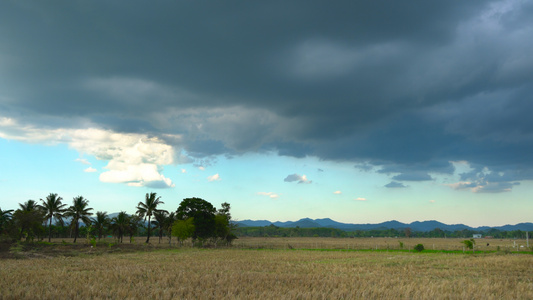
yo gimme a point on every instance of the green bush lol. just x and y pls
(419, 248)
(469, 244)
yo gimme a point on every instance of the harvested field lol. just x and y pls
(190, 273)
(449, 244)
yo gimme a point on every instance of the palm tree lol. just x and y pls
(147, 208)
(29, 205)
(53, 208)
(169, 221)
(134, 222)
(120, 224)
(5, 216)
(159, 220)
(79, 212)
(100, 222)
(29, 218)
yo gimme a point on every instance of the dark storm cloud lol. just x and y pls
(404, 87)
(395, 184)
(418, 176)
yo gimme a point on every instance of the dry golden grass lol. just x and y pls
(340, 243)
(189, 273)
(378, 243)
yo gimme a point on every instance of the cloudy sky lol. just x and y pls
(360, 111)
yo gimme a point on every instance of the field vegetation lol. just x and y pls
(267, 272)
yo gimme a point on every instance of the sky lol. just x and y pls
(358, 111)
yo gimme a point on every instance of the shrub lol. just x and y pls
(419, 248)
(469, 244)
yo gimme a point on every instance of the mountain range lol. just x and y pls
(423, 226)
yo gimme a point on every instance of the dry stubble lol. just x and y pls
(272, 274)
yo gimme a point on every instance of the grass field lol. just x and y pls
(450, 244)
(270, 272)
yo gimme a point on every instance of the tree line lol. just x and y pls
(275, 231)
(195, 218)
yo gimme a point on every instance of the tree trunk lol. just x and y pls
(148, 238)
(76, 232)
(50, 231)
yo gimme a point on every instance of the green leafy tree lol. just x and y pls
(436, 233)
(101, 222)
(183, 229)
(419, 248)
(221, 228)
(224, 227)
(54, 209)
(203, 213)
(469, 244)
(147, 209)
(79, 211)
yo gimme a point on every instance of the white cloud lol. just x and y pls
(269, 194)
(360, 199)
(11, 129)
(215, 177)
(134, 159)
(298, 178)
(183, 171)
(461, 185)
(431, 201)
(135, 175)
(201, 168)
(83, 161)
(90, 170)
(7, 122)
(337, 192)
(483, 186)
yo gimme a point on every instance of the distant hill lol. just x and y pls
(250, 223)
(423, 226)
